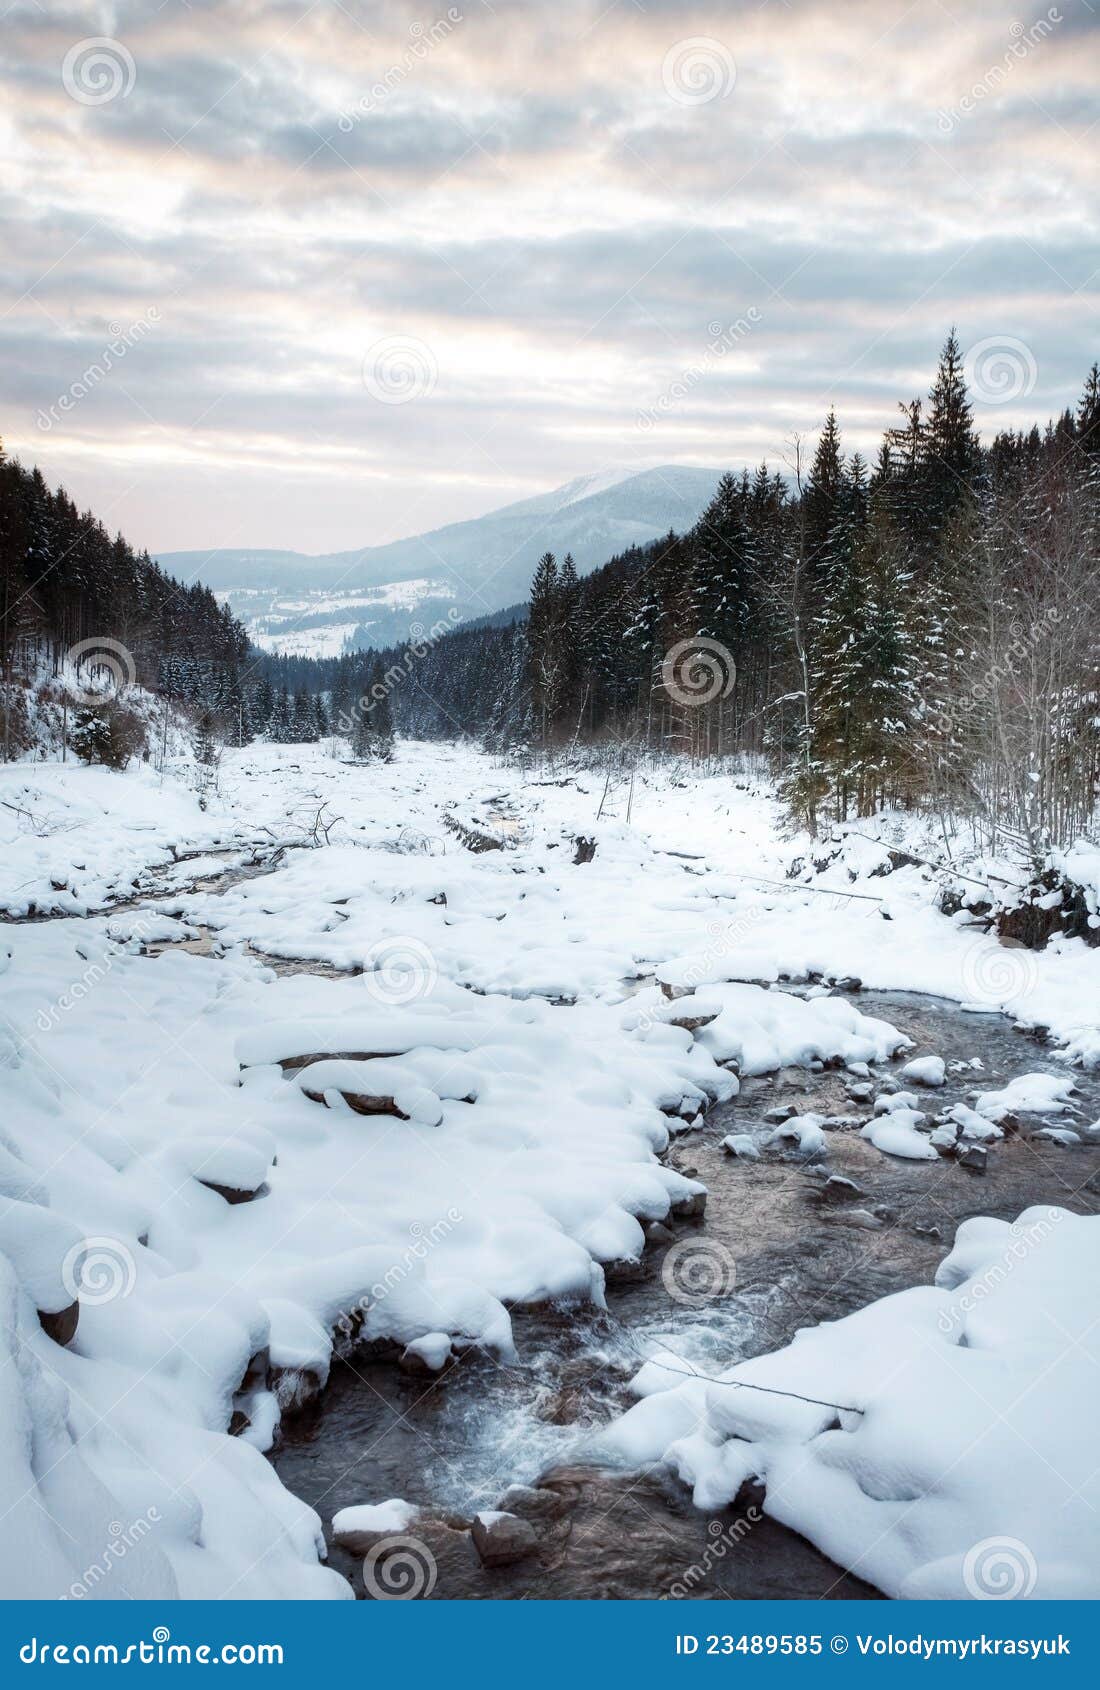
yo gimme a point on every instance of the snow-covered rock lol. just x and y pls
(919, 1405)
(1028, 1094)
(926, 1071)
(896, 1134)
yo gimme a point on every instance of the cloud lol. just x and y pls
(540, 197)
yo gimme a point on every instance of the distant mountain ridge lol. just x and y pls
(469, 568)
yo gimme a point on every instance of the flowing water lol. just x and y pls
(454, 1443)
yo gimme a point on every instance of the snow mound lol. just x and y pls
(891, 1458)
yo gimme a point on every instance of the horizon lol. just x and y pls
(366, 273)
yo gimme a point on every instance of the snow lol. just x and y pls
(1027, 1094)
(925, 1071)
(897, 1134)
(887, 1103)
(940, 1391)
(803, 1131)
(327, 641)
(74, 838)
(511, 1006)
(391, 1516)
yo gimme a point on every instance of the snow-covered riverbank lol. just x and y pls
(229, 1170)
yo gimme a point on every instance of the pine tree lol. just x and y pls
(543, 646)
(949, 446)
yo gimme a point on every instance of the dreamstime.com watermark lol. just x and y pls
(1024, 1241)
(98, 1271)
(399, 1569)
(980, 693)
(97, 70)
(121, 343)
(725, 938)
(121, 1539)
(422, 42)
(698, 671)
(103, 657)
(697, 70)
(1024, 39)
(424, 1241)
(1000, 1569)
(722, 1540)
(1000, 369)
(98, 969)
(399, 970)
(398, 673)
(399, 368)
(723, 339)
(697, 1271)
(157, 1650)
(998, 972)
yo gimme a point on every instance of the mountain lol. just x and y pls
(378, 595)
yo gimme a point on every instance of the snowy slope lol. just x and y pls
(471, 1115)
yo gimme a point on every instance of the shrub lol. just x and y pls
(109, 733)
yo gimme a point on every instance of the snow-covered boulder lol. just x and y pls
(926, 1071)
(896, 1135)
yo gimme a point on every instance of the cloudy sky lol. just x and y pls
(315, 276)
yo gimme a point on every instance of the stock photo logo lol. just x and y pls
(98, 1270)
(399, 1569)
(97, 70)
(400, 368)
(400, 970)
(1000, 1569)
(102, 657)
(698, 70)
(697, 1271)
(698, 671)
(998, 972)
(1001, 369)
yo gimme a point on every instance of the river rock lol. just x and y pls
(657, 1233)
(361, 1529)
(862, 1218)
(501, 1538)
(60, 1326)
(532, 1502)
(839, 1189)
(975, 1157)
(235, 1194)
(780, 1112)
(426, 1355)
(925, 1071)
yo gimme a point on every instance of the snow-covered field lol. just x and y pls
(230, 1169)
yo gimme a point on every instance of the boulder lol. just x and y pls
(361, 1529)
(60, 1326)
(861, 1218)
(839, 1189)
(501, 1538)
(925, 1071)
(741, 1144)
(533, 1502)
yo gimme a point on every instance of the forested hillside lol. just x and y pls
(73, 600)
(923, 629)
